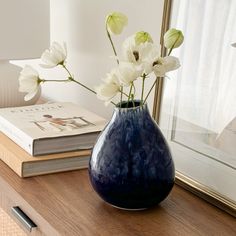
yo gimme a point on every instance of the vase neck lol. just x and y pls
(138, 111)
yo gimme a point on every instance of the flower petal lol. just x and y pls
(29, 82)
(128, 72)
(54, 56)
(30, 95)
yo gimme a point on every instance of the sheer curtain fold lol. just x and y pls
(207, 91)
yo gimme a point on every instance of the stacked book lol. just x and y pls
(47, 138)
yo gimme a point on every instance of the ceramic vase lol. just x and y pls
(131, 166)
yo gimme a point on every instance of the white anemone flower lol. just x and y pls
(109, 88)
(130, 50)
(165, 64)
(142, 54)
(128, 72)
(29, 82)
(54, 56)
(148, 53)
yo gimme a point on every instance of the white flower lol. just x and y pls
(110, 88)
(141, 54)
(173, 38)
(165, 64)
(54, 56)
(115, 22)
(29, 82)
(127, 72)
(130, 50)
(148, 53)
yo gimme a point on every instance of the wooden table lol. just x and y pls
(65, 204)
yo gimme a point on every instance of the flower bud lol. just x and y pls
(173, 38)
(142, 37)
(115, 22)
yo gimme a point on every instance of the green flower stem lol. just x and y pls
(173, 46)
(71, 78)
(112, 44)
(143, 82)
(117, 60)
(63, 65)
(134, 88)
(150, 90)
(125, 94)
(129, 96)
(84, 86)
(77, 82)
(132, 97)
(121, 94)
(54, 80)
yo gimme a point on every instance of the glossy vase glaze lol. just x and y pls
(131, 165)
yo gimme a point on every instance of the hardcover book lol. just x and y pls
(25, 165)
(51, 127)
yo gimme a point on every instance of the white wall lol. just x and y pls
(80, 23)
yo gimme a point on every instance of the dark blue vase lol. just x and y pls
(131, 165)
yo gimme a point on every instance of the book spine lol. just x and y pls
(16, 135)
(10, 159)
(51, 171)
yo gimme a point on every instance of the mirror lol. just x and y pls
(196, 107)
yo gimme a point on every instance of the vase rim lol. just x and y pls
(119, 108)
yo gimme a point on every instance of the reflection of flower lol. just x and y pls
(115, 22)
(54, 56)
(29, 82)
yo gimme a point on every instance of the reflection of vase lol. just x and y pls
(131, 166)
(9, 87)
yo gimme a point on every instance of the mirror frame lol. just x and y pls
(187, 183)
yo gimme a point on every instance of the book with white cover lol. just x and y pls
(51, 127)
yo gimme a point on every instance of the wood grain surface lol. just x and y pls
(65, 204)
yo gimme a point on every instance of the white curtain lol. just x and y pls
(207, 78)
